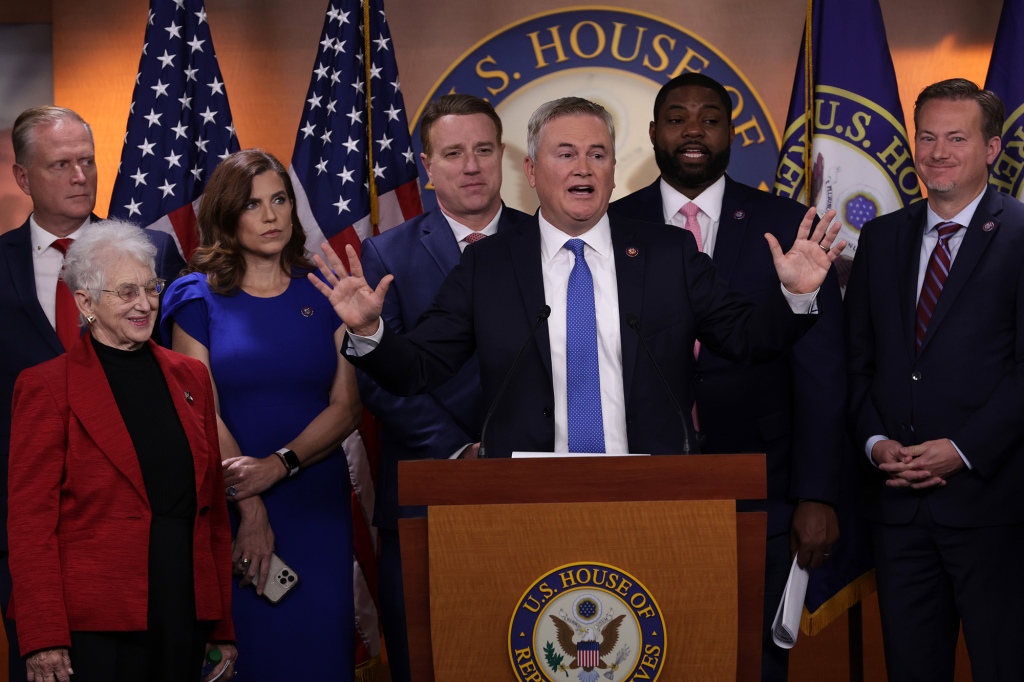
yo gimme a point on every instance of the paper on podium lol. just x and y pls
(543, 455)
(786, 625)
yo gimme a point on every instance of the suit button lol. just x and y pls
(698, 378)
(204, 511)
(547, 412)
(916, 376)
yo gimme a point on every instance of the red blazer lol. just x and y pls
(79, 517)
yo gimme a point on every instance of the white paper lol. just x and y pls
(540, 455)
(786, 625)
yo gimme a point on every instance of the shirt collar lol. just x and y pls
(552, 240)
(461, 231)
(964, 217)
(709, 201)
(41, 239)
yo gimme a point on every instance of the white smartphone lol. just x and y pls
(280, 580)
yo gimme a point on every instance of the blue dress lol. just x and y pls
(273, 362)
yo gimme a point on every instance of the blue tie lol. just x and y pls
(582, 373)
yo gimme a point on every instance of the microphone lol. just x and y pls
(634, 324)
(542, 314)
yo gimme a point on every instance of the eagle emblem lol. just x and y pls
(587, 639)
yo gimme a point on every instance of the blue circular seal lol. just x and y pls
(616, 57)
(584, 621)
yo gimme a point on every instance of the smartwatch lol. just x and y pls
(290, 460)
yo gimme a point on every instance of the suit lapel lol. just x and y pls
(92, 403)
(19, 262)
(975, 241)
(908, 258)
(187, 397)
(629, 278)
(733, 222)
(439, 242)
(524, 251)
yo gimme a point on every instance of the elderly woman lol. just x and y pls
(287, 400)
(119, 538)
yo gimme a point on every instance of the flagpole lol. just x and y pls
(374, 206)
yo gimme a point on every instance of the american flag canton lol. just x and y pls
(179, 124)
(330, 162)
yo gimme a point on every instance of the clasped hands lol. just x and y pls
(926, 465)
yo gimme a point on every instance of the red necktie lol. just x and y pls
(66, 315)
(473, 237)
(934, 279)
(690, 212)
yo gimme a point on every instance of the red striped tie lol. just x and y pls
(66, 314)
(934, 279)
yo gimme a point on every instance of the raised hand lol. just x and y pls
(356, 303)
(802, 269)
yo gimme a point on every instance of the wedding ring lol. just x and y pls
(823, 247)
(231, 491)
(244, 563)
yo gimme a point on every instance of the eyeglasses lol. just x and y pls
(130, 292)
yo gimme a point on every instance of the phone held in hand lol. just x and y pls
(280, 581)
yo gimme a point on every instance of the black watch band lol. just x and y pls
(291, 461)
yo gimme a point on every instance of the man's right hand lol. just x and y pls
(357, 305)
(886, 452)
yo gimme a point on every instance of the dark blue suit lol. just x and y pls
(491, 299)
(27, 339)
(967, 384)
(792, 408)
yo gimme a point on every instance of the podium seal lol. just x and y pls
(589, 622)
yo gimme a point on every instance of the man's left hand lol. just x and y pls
(924, 466)
(814, 530)
(802, 269)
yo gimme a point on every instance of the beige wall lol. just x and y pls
(266, 50)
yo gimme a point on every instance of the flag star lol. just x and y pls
(201, 14)
(173, 31)
(358, 85)
(167, 188)
(342, 204)
(139, 177)
(231, 129)
(332, 13)
(145, 46)
(410, 157)
(201, 145)
(133, 208)
(208, 116)
(172, 160)
(314, 101)
(150, 20)
(392, 113)
(225, 155)
(336, 76)
(346, 176)
(321, 167)
(190, 74)
(180, 130)
(197, 172)
(375, 71)
(131, 109)
(186, 102)
(147, 147)
(216, 87)
(309, 130)
(327, 43)
(382, 43)
(326, 137)
(180, 4)
(160, 89)
(396, 85)
(196, 44)
(339, 46)
(331, 106)
(351, 145)
(322, 71)
(355, 115)
(385, 142)
(360, 55)
(342, 17)
(378, 171)
(167, 60)
(153, 118)
(137, 77)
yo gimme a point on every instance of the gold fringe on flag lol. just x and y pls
(367, 64)
(368, 671)
(838, 604)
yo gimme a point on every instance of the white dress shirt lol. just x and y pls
(461, 231)
(929, 240)
(710, 204)
(46, 264)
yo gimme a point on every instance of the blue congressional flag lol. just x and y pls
(859, 161)
(1006, 79)
(353, 167)
(179, 124)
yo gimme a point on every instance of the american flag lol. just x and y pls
(179, 124)
(354, 173)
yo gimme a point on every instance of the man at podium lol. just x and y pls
(604, 309)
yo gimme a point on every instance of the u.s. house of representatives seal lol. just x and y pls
(588, 622)
(616, 57)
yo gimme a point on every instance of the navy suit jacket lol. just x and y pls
(967, 383)
(419, 253)
(792, 408)
(491, 299)
(26, 336)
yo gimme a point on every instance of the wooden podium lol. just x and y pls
(471, 521)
